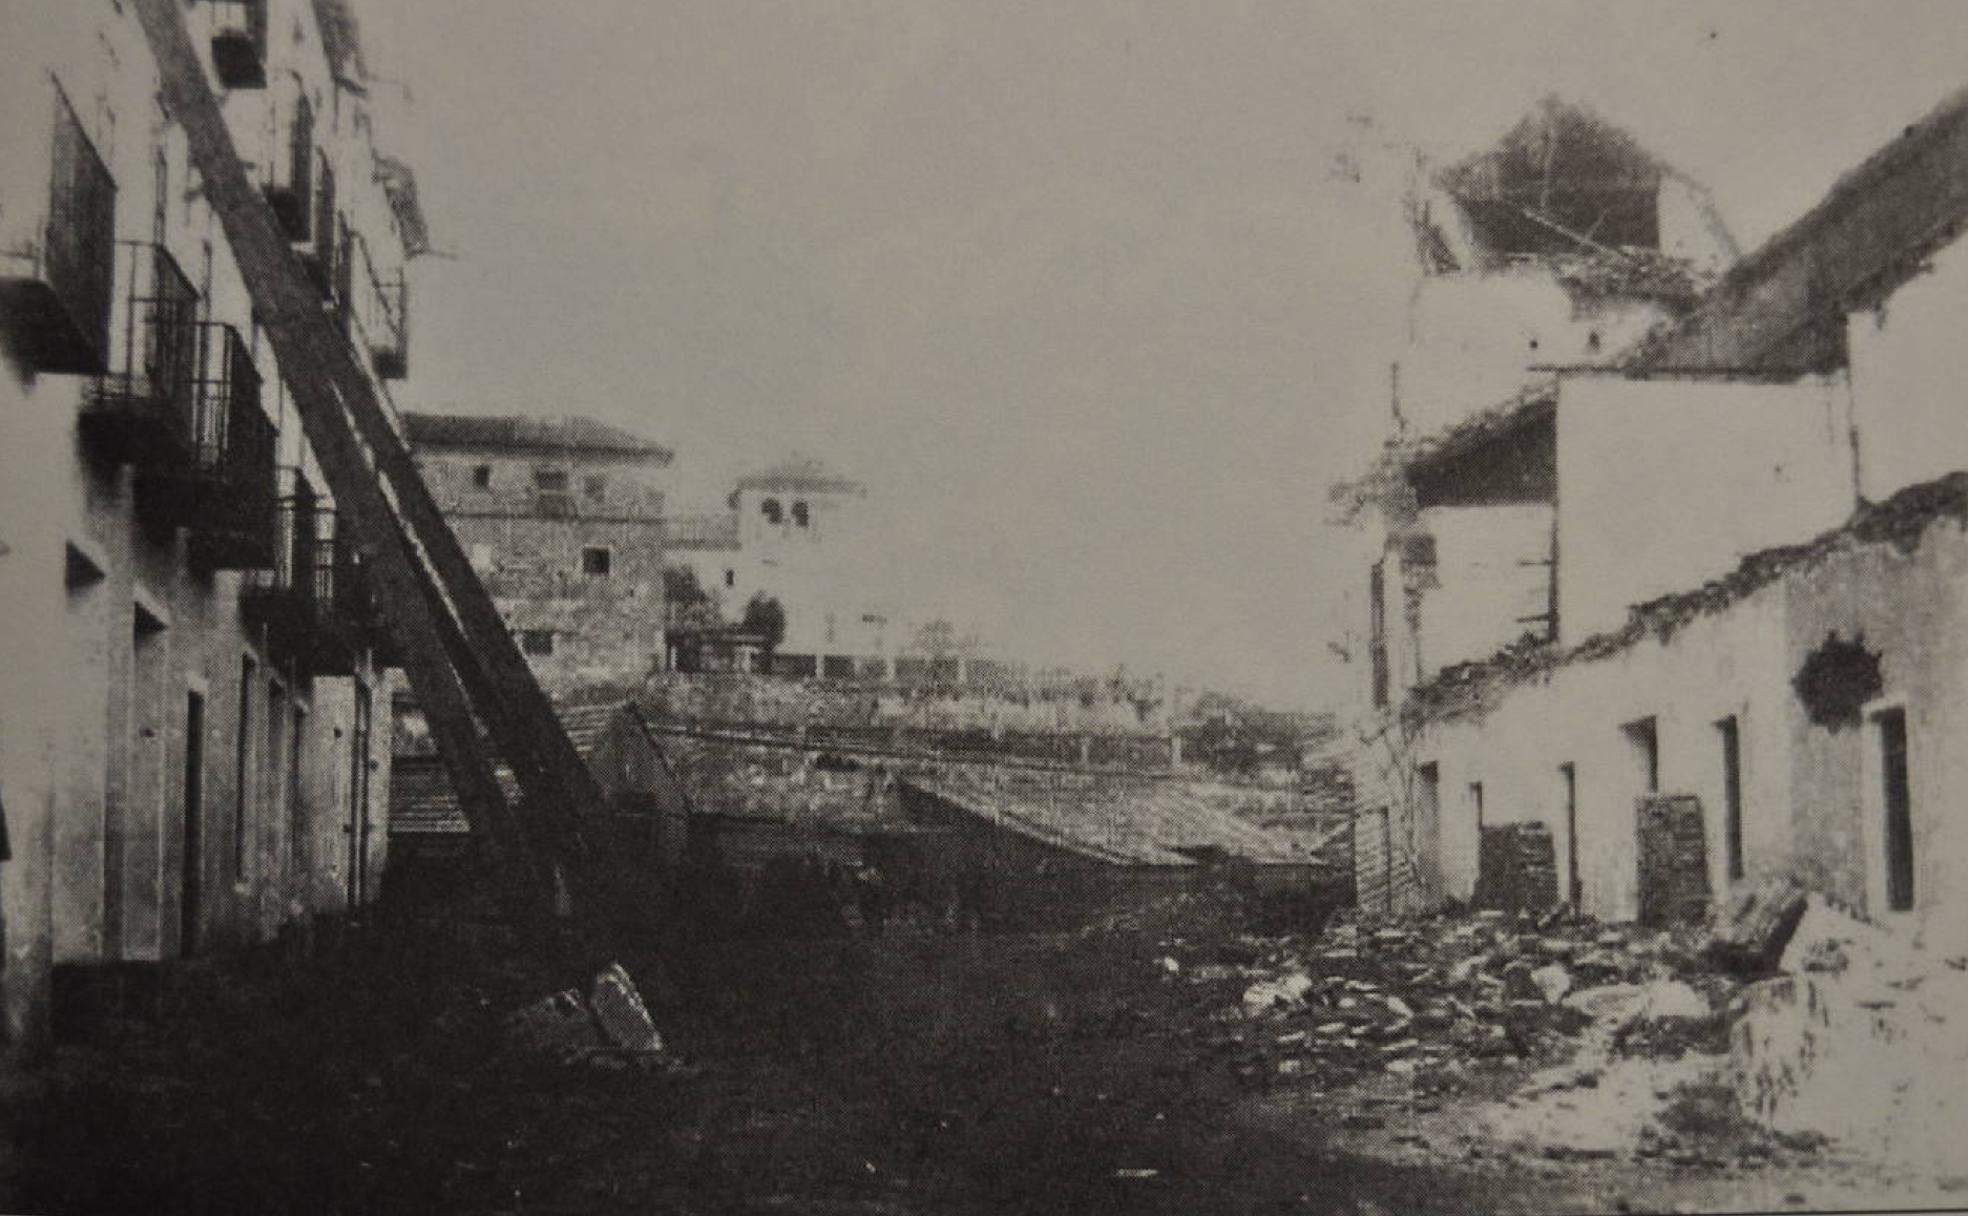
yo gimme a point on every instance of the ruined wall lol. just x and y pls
(1910, 379)
(1912, 609)
(1488, 581)
(1663, 484)
(1714, 667)
(1475, 335)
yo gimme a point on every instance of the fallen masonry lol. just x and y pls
(610, 1028)
(1748, 1042)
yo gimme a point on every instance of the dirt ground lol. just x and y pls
(916, 1072)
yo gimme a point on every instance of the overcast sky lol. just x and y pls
(1070, 285)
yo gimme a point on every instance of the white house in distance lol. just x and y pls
(801, 533)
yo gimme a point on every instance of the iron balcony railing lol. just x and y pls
(319, 257)
(312, 599)
(293, 529)
(143, 407)
(342, 292)
(289, 184)
(57, 315)
(239, 43)
(230, 480)
(380, 308)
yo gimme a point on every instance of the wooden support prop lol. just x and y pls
(309, 348)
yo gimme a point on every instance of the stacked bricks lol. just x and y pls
(1673, 856)
(1516, 867)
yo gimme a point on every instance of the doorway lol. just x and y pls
(358, 825)
(1574, 885)
(191, 888)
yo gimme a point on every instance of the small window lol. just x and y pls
(596, 488)
(536, 641)
(482, 476)
(770, 509)
(596, 561)
(799, 514)
(731, 578)
(550, 481)
(1643, 740)
(1476, 802)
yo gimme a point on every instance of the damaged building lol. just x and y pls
(194, 748)
(1689, 613)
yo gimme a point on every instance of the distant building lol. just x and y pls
(562, 518)
(798, 532)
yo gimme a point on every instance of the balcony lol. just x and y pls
(55, 301)
(239, 43)
(141, 410)
(223, 491)
(381, 311)
(313, 600)
(289, 184)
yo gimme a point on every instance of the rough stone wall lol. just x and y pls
(606, 628)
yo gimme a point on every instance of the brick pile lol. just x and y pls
(1517, 868)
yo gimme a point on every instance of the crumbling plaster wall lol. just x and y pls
(1912, 609)
(1474, 336)
(1910, 379)
(1715, 667)
(1487, 581)
(1664, 484)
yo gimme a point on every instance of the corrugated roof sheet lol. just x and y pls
(571, 433)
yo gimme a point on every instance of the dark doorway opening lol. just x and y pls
(1899, 809)
(1732, 811)
(358, 825)
(191, 889)
(1574, 887)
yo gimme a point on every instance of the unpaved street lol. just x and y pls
(916, 1072)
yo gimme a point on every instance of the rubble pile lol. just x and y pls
(1431, 998)
(1860, 1038)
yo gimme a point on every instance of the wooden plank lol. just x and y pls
(307, 344)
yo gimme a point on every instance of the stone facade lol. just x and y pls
(563, 519)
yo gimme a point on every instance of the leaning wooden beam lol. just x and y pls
(287, 307)
(558, 787)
